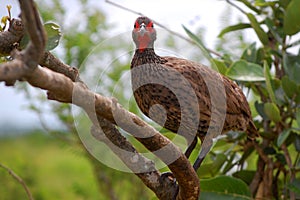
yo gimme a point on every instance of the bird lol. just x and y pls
(185, 97)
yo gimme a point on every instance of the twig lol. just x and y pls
(19, 179)
(229, 2)
(161, 25)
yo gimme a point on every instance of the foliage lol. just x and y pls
(224, 187)
(269, 71)
(268, 68)
(53, 36)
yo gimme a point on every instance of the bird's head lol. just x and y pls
(143, 33)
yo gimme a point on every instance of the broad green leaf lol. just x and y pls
(249, 53)
(263, 37)
(213, 168)
(268, 82)
(200, 44)
(245, 175)
(290, 87)
(232, 28)
(242, 70)
(291, 23)
(282, 137)
(53, 35)
(225, 186)
(222, 68)
(272, 111)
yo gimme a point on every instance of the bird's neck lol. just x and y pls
(146, 56)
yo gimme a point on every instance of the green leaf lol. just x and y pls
(214, 167)
(249, 53)
(232, 28)
(290, 87)
(268, 82)
(282, 137)
(53, 35)
(222, 68)
(245, 175)
(200, 44)
(242, 70)
(263, 37)
(224, 187)
(272, 111)
(291, 22)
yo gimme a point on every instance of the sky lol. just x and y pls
(191, 13)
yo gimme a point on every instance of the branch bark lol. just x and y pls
(63, 84)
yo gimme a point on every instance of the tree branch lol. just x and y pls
(19, 179)
(10, 38)
(103, 111)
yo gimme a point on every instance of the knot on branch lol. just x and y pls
(16, 27)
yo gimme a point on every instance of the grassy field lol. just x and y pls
(54, 170)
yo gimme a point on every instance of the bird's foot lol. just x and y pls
(168, 178)
(168, 175)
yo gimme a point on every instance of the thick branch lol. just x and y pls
(51, 62)
(62, 89)
(99, 108)
(10, 39)
(143, 167)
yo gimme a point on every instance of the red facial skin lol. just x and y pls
(144, 35)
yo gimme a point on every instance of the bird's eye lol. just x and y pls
(136, 25)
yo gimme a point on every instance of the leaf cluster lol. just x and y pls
(269, 69)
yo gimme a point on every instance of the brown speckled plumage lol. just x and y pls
(155, 79)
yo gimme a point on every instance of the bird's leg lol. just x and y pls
(191, 147)
(205, 148)
(187, 153)
(198, 163)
